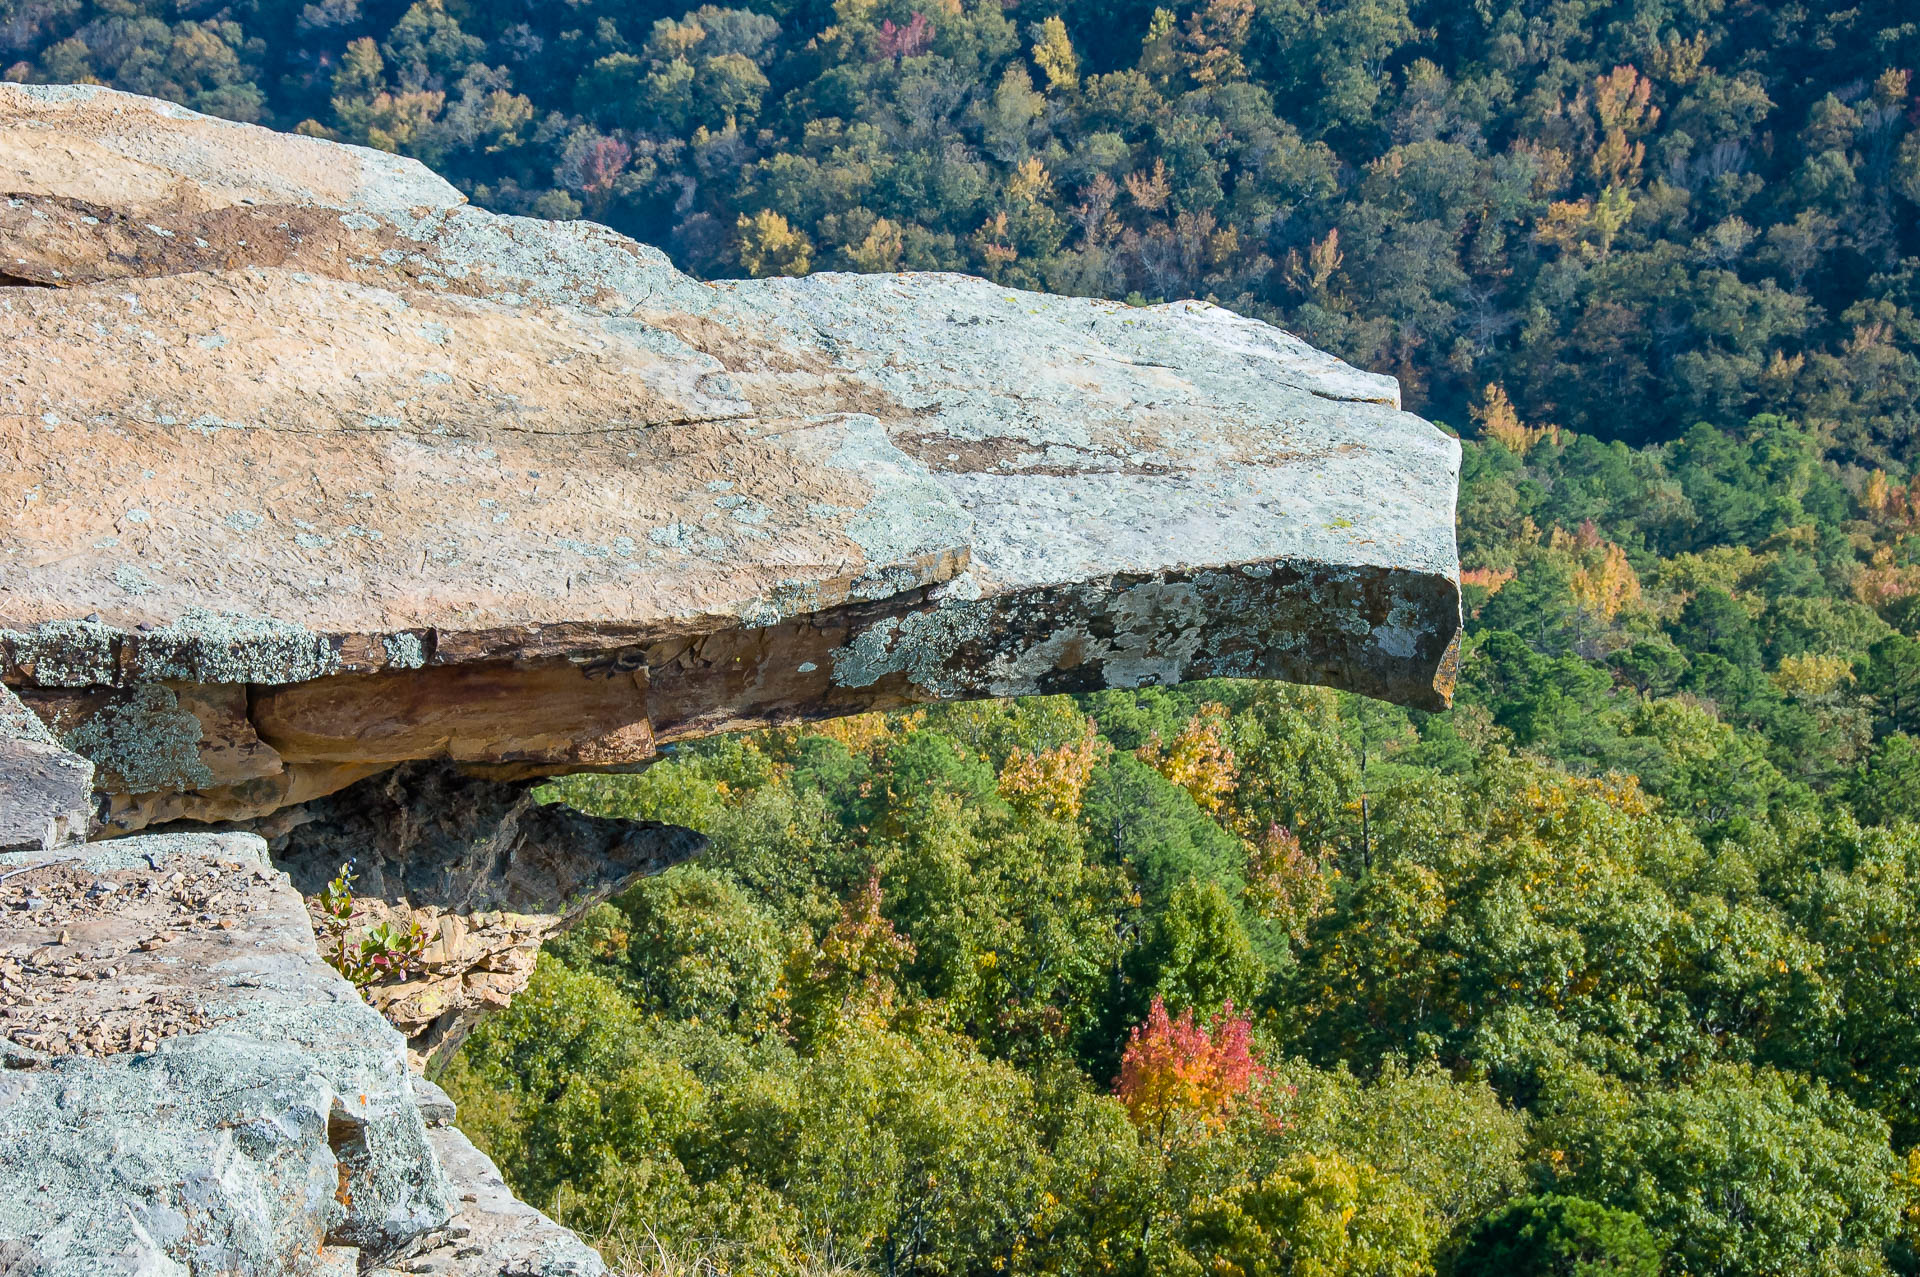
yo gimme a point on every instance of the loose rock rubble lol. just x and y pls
(97, 964)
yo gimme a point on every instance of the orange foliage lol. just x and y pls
(855, 968)
(1622, 99)
(1488, 579)
(1285, 883)
(1885, 580)
(1498, 420)
(860, 733)
(1176, 1074)
(1602, 589)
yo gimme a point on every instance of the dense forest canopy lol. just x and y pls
(1613, 968)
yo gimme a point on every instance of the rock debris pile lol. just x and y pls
(98, 964)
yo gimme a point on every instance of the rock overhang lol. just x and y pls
(414, 480)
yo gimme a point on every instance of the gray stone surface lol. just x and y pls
(495, 1234)
(435, 1105)
(17, 722)
(436, 483)
(190, 1089)
(46, 792)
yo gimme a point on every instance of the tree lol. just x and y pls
(1891, 676)
(1713, 622)
(700, 949)
(1554, 1236)
(1136, 818)
(1744, 1170)
(852, 975)
(1177, 1077)
(1318, 1215)
(1199, 955)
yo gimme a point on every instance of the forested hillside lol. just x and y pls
(1617, 962)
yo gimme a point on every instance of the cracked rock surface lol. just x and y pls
(339, 472)
(188, 1088)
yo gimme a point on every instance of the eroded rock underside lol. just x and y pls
(339, 512)
(483, 870)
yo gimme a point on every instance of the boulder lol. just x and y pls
(323, 470)
(46, 791)
(188, 1087)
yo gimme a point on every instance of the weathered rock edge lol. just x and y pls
(46, 793)
(276, 1130)
(272, 1131)
(324, 470)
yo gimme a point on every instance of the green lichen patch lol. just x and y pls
(144, 743)
(202, 646)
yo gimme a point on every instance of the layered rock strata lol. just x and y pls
(322, 470)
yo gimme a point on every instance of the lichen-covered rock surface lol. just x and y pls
(189, 1089)
(319, 470)
(46, 790)
(494, 1233)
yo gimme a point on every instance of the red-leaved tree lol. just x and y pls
(1177, 1075)
(599, 167)
(909, 41)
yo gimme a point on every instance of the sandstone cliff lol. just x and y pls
(321, 470)
(340, 510)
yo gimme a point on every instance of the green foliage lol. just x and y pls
(1555, 1236)
(1318, 1214)
(689, 945)
(1199, 957)
(880, 1024)
(1748, 1170)
(376, 953)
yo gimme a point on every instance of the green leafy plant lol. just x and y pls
(383, 952)
(1557, 1236)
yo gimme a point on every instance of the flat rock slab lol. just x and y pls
(189, 1088)
(438, 483)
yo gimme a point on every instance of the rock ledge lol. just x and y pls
(337, 472)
